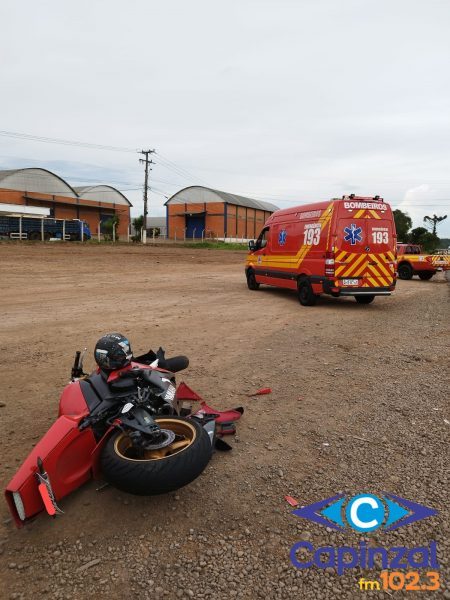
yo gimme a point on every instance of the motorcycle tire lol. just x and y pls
(162, 470)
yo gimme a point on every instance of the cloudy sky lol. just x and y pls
(284, 100)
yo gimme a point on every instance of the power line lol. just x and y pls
(165, 162)
(62, 142)
(181, 171)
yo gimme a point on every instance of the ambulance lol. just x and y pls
(341, 247)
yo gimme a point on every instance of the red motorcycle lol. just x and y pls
(130, 426)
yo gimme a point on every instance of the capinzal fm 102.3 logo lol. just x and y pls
(365, 512)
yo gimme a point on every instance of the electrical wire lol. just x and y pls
(62, 142)
(163, 161)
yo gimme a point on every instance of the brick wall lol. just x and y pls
(71, 208)
(240, 222)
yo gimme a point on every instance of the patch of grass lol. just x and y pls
(216, 245)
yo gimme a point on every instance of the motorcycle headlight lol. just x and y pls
(19, 505)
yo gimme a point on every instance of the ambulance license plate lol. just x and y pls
(353, 282)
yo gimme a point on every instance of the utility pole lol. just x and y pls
(147, 163)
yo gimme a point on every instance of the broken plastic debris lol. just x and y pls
(261, 392)
(292, 501)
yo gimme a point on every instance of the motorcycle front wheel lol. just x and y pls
(159, 470)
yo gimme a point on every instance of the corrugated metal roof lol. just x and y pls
(102, 193)
(7, 173)
(188, 195)
(37, 180)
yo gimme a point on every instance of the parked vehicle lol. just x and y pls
(343, 247)
(130, 426)
(37, 228)
(412, 260)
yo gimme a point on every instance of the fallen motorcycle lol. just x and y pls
(131, 427)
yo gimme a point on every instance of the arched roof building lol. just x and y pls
(197, 211)
(41, 188)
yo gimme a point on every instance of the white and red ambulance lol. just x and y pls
(342, 247)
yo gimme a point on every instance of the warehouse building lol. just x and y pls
(197, 212)
(41, 188)
(157, 226)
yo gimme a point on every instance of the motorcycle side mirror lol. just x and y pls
(252, 245)
(77, 369)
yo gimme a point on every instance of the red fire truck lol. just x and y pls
(343, 247)
(413, 261)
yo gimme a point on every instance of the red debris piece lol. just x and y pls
(46, 499)
(292, 501)
(261, 392)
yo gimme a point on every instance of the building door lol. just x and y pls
(195, 225)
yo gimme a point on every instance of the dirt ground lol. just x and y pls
(359, 404)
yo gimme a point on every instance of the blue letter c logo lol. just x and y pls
(365, 512)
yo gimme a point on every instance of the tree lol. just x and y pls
(403, 224)
(433, 221)
(427, 240)
(138, 224)
(109, 226)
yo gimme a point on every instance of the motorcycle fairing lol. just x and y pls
(224, 419)
(72, 400)
(66, 454)
(184, 392)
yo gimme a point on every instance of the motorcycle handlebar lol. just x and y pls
(175, 364)
(146, 375)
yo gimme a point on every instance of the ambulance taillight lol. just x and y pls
(329, 264)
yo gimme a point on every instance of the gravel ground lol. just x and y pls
(359, 404)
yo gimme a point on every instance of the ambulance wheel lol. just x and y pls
(405, 271)
(251, 281)
(364, 299)
(426, 275)
(306, 296)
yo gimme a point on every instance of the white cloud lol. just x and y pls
(424, 200)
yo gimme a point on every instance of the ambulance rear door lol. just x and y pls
(381, 253)
(364, 252)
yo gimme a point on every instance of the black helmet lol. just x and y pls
(113, 351)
